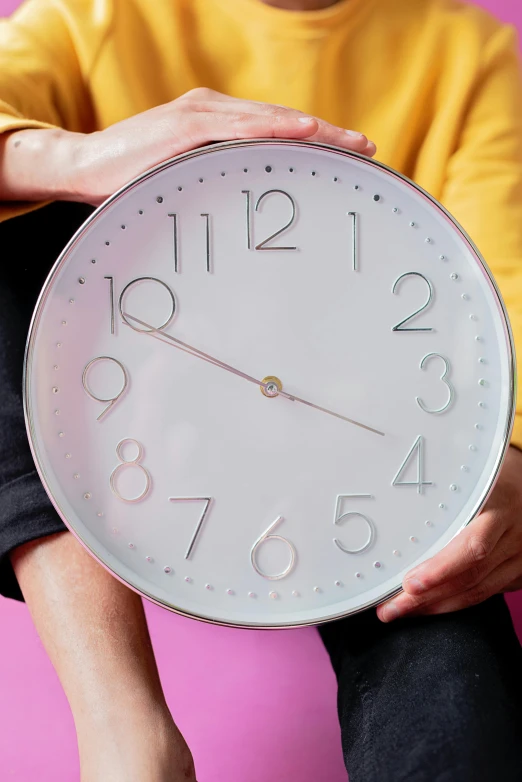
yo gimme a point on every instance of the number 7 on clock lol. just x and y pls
(199, 526)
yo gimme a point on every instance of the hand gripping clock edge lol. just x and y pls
(168, 339)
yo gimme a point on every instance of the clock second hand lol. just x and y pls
(162, 336)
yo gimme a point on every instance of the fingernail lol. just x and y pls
(354, 133)
(390, 612)
(305, 119)
(414, 585)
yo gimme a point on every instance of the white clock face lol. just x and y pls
(266, 380)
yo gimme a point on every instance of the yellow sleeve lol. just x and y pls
(41, 80)
(46, 50)
(483, 189)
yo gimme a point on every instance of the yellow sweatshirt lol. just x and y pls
(435, 83)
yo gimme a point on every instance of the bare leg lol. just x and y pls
(95, 633)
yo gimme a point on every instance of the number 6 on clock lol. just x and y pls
(267, 535)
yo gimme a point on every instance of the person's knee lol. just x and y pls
(27, 550)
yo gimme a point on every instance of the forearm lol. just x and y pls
(39, 165)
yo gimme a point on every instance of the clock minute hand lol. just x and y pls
(331, 412)
(168, 339)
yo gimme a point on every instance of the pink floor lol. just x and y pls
(253, 705)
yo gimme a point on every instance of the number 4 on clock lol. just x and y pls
(416, 450)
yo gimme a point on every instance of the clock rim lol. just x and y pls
(209, 149)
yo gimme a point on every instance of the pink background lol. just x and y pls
(253, 705)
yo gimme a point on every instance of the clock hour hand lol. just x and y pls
(162, 336)
(168, 339)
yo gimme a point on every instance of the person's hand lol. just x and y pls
(482, 560)
(104, 161)
(56, 164)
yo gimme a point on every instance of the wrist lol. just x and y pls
(40, 165)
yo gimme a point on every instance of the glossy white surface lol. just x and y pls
(305, 316)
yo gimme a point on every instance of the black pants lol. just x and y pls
(423, 700)
(430, 699)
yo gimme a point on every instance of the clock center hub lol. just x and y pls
(271, 386)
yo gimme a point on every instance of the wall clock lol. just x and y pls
(266, 379)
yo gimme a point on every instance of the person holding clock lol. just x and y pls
(92, 94)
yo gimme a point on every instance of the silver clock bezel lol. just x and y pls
(61, 260)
